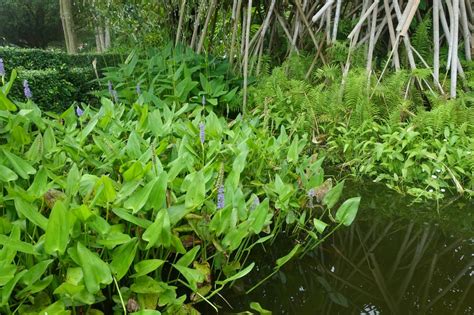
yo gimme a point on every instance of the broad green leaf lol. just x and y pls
(159, 233)
(35, 272)
(157, 197)
(133, 146)
(57, 231)
(125, 215)
(17, 245)
(96, 271)
(6, 174)
(332, 197)
(140, 197)
(238, 275)
(196, 191)
(21, 167)
(5, 103)
(257, 307)
(39, 186)
(8, 288)
(146, 312)
(292, 156)
(258, 217)
(122, 258)
(72, 181)
(7, 273)
(57, 308)
(146, 266)
(188, 258)
(283, 260)
(193, 276)
(146, 285)
(347, 211)
(319, 225)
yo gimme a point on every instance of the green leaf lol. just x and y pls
(196, 191)
(193, 276)
(292, 156)
(157, 197)
(122, 258)
(146, 266)
(319, 225)
(133, 146)
(332, 197)
(57, 231)
(5, 103)
(257, 307)
(159, 233)
(6, 274)
(188, 258)
(39, 186)
(348, 211)
(6, 174)
(17, 245)
(140, 197)
(96, 271)
(242, 273)
(35, 272)
(125, 215)
(283, 260)
(21, 167)
(258, 216)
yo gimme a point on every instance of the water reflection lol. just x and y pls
(377, 266)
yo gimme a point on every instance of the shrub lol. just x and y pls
(55, 78)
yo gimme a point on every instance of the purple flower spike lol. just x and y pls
(79, 112)
(139, 90)
(2, 68)
(255, 204)
(111, 88)
(115, 96)
(202, 132)
(220, 197)
(27, 90)
(203, 100)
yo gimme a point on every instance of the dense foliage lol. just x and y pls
(30, 23)
(56, 79)
(175, 75)
(391, 131)
(141, 206)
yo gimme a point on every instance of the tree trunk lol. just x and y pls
(65, 7)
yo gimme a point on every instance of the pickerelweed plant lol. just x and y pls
(127, 208)
(175, 75)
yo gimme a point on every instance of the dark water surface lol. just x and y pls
(382, 264)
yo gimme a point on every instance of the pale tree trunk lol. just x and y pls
(65, 7)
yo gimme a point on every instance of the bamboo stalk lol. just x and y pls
(336, 20)
(322, 10)
(236, 18)
(285, 29)
(409, 18)
(246, 55)
(466, 33)
(206, 26)
(306, 23)
(197, 22)
(362, 20)
(436, 40)
(180, 22)
(371, 43)
(454, 36)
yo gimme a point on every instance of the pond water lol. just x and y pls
(382, 264)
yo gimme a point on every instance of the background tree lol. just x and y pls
(30, 23)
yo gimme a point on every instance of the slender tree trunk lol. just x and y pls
(436, 39)
(236, 18)
(246, 54)
(65, 7)
(180, 23)
(454, 36)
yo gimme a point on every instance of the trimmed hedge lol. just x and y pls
(55, 78)
(38, 59)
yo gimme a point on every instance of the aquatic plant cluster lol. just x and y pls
(130, 207)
